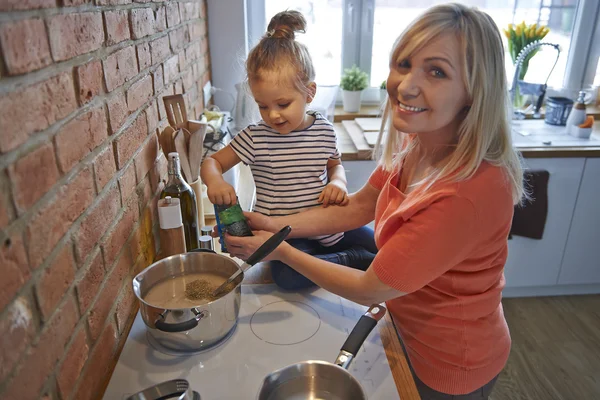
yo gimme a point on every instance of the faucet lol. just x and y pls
(518, 64)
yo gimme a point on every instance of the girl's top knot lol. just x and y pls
(284, 25)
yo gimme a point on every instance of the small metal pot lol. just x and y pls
(189, 330)
(177, 389)
(321, 379)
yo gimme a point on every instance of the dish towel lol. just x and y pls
(529, 218)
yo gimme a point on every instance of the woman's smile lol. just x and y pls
(406, 109)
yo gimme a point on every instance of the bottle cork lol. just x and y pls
(171, 233)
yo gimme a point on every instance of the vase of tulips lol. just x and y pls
(518, 37)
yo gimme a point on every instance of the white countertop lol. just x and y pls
(537, 133)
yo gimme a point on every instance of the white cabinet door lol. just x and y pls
(581, 263)
(534, 262)
(358, 173)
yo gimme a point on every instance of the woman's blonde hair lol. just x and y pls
(278, 50)
(484, 133)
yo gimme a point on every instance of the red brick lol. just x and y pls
(178, 38)
(159, 49)
(189, 11)
(152, 117)
(75, 34)
(55, 281)
(117, 26)
(104, 168)
(89, 81)
(32, 176)
(144, 195)
(41, 358)
(49, 225)
(158, 80)
(88, 286)
(79, 137)
(178, 88)
(188, 82)
(142, 22)
(113, 244)
(162, 112)
(101, 309)
(17, 329)
(6, 212)
(139, 93)
(72, 3)
(10, 5)
(25, 45)
(97, 222)
(142, 240)
(127, 183)
(204, 46)
(35, 108)
(161, 19)
(71, 366)
(130, 140)
(192, 53)
(173, 18)
(97, 366)
(143, 55)
(126, 305)
(15, 269)
(117, 111)
(120, 67)
(171, 69)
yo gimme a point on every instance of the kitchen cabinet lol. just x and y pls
(533, 262)
(581, 261)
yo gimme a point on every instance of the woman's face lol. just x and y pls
(427, 91)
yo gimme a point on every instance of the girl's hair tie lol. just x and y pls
(270, 32)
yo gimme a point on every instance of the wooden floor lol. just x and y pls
(556, 349)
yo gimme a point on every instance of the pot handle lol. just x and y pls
(161, 325)
(359, 334)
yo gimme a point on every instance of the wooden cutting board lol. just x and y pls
(369, 124)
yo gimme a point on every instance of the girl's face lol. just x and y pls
(282, 106)
(427, 91)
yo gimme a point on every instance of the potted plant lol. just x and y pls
(382, 91)
(353, 82)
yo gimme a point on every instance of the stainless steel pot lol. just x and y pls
(189, 330)
(178, 389)
(321, 379)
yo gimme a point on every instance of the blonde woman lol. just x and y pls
(442, 199)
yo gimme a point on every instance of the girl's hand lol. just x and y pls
(244, 246)
(334, 193)
(221, 193)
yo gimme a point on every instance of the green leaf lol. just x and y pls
(354, 79)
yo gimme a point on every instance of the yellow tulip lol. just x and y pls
(518, 30)
(539, 31)
(506, 33)
(522, 25)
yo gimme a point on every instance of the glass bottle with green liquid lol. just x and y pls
(177, 187)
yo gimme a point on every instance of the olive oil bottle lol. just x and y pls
(177, 187)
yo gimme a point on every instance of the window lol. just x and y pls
(341, 33)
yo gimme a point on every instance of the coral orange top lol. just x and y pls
(446, 247)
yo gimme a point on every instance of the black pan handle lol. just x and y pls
(268, 246)
(359, 334)
(163, 326)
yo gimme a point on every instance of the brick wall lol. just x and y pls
(81, 86)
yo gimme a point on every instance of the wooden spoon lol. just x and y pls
(196, 150)
(166, 141)
(181, 148)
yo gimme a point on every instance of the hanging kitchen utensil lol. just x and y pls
(175, 108)
(195, 150)
(263, 251)
(321, 379)
(181, 148)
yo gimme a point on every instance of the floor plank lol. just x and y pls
(556, 349)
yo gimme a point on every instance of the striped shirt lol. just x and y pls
(289, 171)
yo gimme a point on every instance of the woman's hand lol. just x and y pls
(260, 222)
(334, 193)
(221, 193)
(243, 246)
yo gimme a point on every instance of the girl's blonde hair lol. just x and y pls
(484, 134)
(278, 50)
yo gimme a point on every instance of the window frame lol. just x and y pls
(357, 42)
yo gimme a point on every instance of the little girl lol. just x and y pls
(291, 152)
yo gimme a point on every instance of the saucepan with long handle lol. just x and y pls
(321, 379)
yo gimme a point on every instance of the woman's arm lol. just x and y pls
(322, 221)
